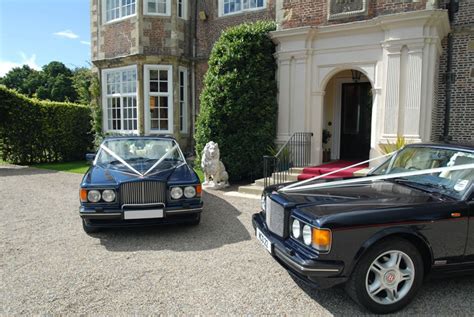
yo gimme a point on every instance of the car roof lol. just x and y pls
(465, 146)
(141, 137)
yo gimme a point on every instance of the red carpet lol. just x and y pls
(310, 172)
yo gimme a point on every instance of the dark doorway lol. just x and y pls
(356, 112)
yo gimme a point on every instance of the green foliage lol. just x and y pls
(390, 147)
(24, 79)
(238, 103)
(33, 131)
(81, 81)
(94, 90)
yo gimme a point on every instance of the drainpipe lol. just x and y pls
(452, 7)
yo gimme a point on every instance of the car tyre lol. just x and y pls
(387, 277)
(88, 228)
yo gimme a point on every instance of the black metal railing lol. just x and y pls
(296, 152)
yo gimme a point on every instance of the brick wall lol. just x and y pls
(209, 30)
(461, 125)
(298, 13)
(118, 39)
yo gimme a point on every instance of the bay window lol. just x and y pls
(157, 7)
(182, 9)
(183, 98)
(158, 99)
(119, 91)
(236, 6)
(117, 9)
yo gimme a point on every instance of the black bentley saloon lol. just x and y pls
(381, 235)
(139, 181)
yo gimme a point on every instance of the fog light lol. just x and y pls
(176, 192)
(108, 195)
(307, 235)
(93, 196)
(189, 192)
(296, 229)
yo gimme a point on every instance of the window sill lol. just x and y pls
(243, 12)
(119, 19)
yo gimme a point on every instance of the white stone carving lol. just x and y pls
(215, 175)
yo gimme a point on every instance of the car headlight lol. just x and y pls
(108, 195)
(263, 202)
(176, 192)
(189, 192)
(307, 235)
(93, 196)
(296, 229)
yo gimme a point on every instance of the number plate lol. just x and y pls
(264, 240)
(143, 214)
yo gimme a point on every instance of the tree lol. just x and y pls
(23, 79)
(81, 80)
(238, 103)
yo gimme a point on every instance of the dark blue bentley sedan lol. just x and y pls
(139, 181)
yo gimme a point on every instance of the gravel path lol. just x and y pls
(50, 266)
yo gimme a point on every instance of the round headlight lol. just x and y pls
(93, 196)
(176, 192)
(189, 192)
(307, 235)
(296, 229)
(108, 195)
(263, 202)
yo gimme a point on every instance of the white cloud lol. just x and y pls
(86, 43)
(67, 34)
(6, 66)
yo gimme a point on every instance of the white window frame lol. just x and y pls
(183, 112)
(104, 13)
(168, 8)
(222, 14)
(105, 118)
(184, 6)
(169, 94)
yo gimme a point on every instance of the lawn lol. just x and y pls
(79, 167)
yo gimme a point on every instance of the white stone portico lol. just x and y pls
(398, 54)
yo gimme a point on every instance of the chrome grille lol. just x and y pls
(275, 217)
(144, 192)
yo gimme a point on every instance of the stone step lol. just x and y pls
(296, 170)
(251, 189)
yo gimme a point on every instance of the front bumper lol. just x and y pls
(317, 273)
(96, 217)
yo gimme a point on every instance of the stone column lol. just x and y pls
(284, 97)
(317, 103)
(391, 90)
(413, 91)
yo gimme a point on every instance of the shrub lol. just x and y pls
(238, 103)
(33, 131)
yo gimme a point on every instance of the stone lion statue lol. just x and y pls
(215, 174)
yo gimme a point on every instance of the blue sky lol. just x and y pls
(36, 32)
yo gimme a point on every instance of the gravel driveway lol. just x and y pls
(50, 266)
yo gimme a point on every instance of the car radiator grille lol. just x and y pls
(275, 217)
(144, 192)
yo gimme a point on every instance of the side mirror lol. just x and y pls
(90, 157)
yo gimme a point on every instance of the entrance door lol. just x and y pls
(356, 108)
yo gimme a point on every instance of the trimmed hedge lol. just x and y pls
(33, 131)
(238, 103)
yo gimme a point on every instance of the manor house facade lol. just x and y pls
(365, 70)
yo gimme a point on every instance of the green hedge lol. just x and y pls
(33, 131)
(238, 103)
